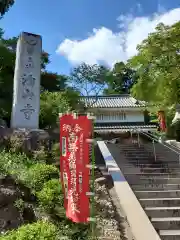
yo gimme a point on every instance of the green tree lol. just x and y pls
(7, 60)
(158, 67)
(52, 103)
(5, 5)
(88, 79)
(53, 82)
(121, 79)
(73, 98)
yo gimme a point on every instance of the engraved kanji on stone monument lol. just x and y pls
(29, 65)
(28, 82)
(27, 110)
(31, 42)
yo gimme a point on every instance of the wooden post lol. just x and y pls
(92, 141)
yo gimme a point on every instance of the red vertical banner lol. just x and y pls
(74, 149)
(162, 120)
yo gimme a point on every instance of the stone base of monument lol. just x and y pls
(34, 137)
(30, 140)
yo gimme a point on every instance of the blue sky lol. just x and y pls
(67, 25)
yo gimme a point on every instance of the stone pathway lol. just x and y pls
(110, 221)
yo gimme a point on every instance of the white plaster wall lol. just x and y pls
(135, 116)
(131, 116)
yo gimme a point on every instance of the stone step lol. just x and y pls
(151, 169)
(150, 165)
(141, 187)
(153, 174)
(129, 147)
(139, 155)
(151, 161)
(169, 234)
(159, 202)
(156, 180)
(157, 193)
(162, 212)
(132, 149)
(168, 223)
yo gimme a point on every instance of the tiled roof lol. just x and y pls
(112, 101)
(123, 126)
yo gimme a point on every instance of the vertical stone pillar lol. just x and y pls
(26, 95)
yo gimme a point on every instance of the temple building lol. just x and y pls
(117, 114)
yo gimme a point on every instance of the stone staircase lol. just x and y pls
(156, 184)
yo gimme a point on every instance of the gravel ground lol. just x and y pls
(110, 221)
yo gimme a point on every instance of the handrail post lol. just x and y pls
(154, 150)
(138, 138)
(131, 136)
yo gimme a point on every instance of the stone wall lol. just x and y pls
(29, 140)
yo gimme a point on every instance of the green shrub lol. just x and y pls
(51, 195)
(76, 231)
(20, 204)
(36, 231)
(38, 174)
(14, 143)
(56, 150)
(25, 170)
(14, 164)
(40, 155)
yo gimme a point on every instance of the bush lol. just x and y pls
(36, 231)
(38, 174)
(40, 155)
(52, 103)
(20, 204)
(51, 195)
(14, 164)
(13, 143)
(55, 153)
(25, 170)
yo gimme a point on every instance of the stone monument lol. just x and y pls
(26, 94)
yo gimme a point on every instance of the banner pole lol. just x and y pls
(93, 181)
(93, 220)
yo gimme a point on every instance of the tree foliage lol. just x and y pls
(120, 80)
(52, 103)
(158, 67)
(53, 82)
(5, 5)
(89, 79)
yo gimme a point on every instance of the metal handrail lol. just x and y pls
(165, 145)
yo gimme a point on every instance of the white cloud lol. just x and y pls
(106, 46)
